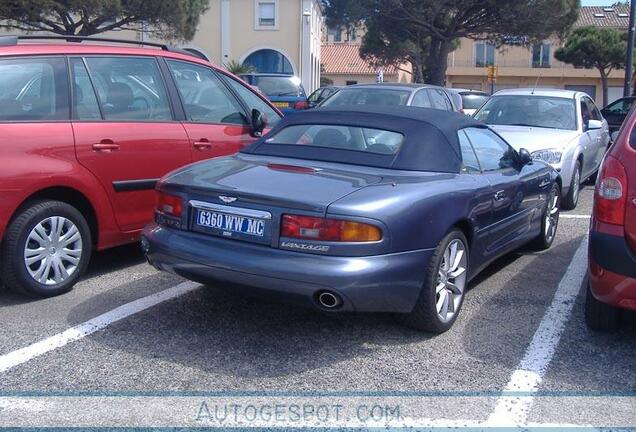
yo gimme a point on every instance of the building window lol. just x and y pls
(269, 61)
(484, 54)
(266, 14)
(336, 33)
(351, 83)
(541, 55)
(351, 35)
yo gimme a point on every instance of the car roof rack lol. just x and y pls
(13, 40)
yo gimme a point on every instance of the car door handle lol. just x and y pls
(500, 195)
(202, 144)
(105, 146)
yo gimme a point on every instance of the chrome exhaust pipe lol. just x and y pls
(329, 300)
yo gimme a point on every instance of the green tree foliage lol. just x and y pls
(171, 19)
(238, 68)
(595, 47)
(424, 32)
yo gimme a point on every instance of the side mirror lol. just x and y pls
(594, 124)
(525, 157)
(259, 122)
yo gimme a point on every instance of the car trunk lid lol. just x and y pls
(259, 191)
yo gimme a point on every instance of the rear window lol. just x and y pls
(353, 138)
(368, 96)
(473, 101)
(33, 89)
(279, 86)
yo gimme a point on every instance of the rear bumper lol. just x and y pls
(612, 270)
(380, 283)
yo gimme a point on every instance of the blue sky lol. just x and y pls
(597, 2)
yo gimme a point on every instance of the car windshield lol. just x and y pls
(340, 137)
(279, 85)
(621, 106)
(368, 96)
(473, 101)
(527, 110)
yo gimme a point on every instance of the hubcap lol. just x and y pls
(552, 216)
(53, 250)
(451, 280)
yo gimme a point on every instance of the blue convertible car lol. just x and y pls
(357, 210)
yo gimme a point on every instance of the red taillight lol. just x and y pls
(611, 192)
(301, 105)
(315, 228)
(169, 204)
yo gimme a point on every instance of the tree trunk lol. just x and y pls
(437, 61)
(605, 85)
(418, 70)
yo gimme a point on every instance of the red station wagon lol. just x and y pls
(612, 247)
(87, 130)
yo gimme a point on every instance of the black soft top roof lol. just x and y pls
(430, 137)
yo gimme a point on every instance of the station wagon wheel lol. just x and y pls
(53, 250)
(46, 249)
(442, 293)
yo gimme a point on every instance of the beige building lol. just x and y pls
(277, 36)
(526, 67)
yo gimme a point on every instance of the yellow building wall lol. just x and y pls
(514, 65)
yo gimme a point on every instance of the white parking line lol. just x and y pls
(573, 216)
(23, 355)
(529, 373)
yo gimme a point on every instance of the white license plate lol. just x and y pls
(231, 223)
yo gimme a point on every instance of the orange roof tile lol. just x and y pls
(344, 59)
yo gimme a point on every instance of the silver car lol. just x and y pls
(560, 127)
(393, 94)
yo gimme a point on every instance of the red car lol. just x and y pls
(86, 131)
(612, 244)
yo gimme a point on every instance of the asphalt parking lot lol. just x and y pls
(204, 343)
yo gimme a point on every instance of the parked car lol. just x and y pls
(91, 128)
(561, 127)
(285, 91)
(392, 94)
(357, 209)
(468, 101)
(616, 112)
(321, 94)
(612, 240)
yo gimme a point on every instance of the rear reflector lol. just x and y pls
(169, 204)
(611, 190)
(291, 168)
(314, 228)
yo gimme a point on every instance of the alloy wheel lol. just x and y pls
(576, 184)
(53, 250)
(552, 216)
(451, 280)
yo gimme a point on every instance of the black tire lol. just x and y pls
(14, 271)
(570, 201)
(424, 316)
(543, 240)
(600, 316)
